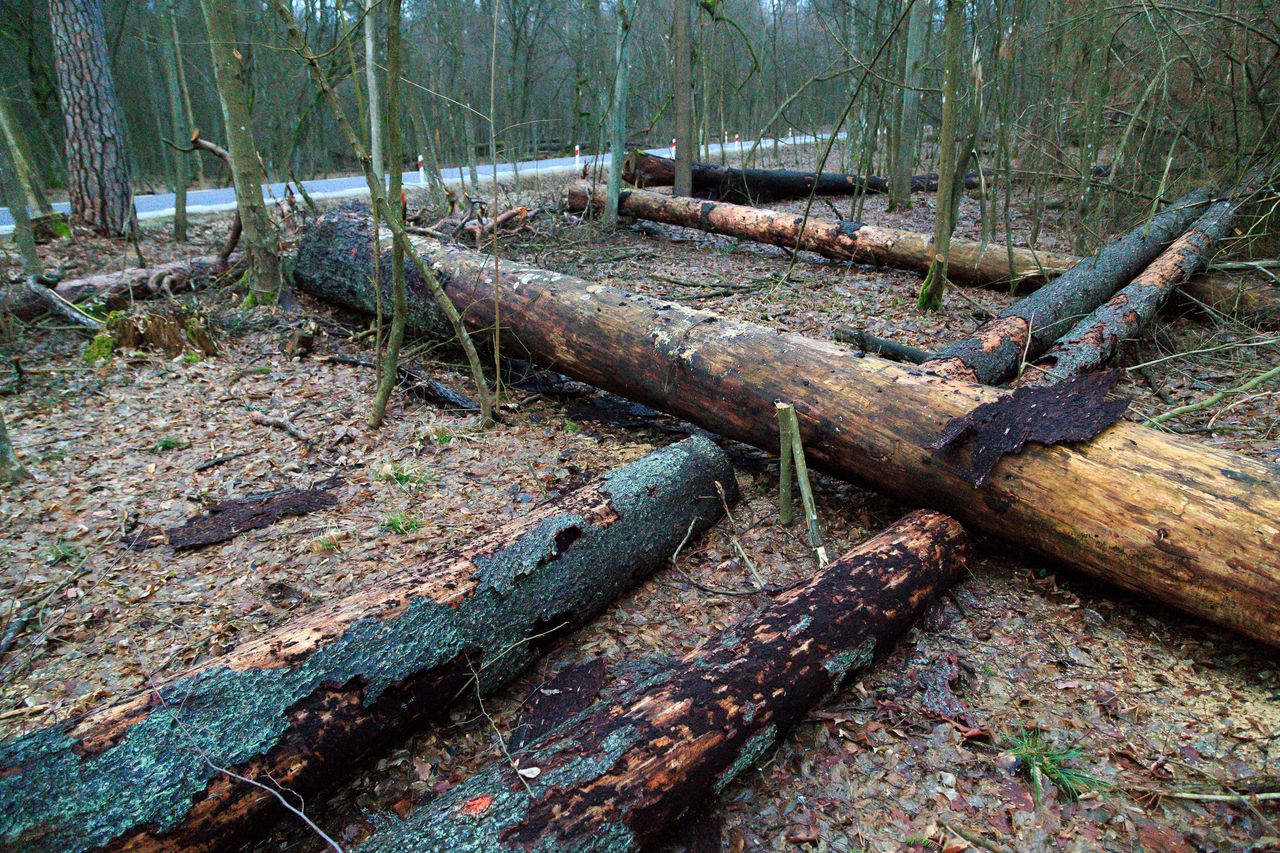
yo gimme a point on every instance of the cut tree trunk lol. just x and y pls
(749, 186)
(111, 290)
(971, 262)
(298, 706)
(1095, 339)
(839, 240)
(620, 772)
(1024, 330)
(1192, 526)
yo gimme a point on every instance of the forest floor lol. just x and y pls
(933, 747)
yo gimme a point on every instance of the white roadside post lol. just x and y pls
(422, 173)
(577, 157)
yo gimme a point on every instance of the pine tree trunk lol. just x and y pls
(1187, 524)
(971, 262)
(1095, 339)
(752, 186)
(299, 706)
(259, 233)
(98, 172)
(616, 775)
(995, 352)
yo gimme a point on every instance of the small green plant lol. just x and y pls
(572, 426)
(53, 456)
(192, 357)
(401, 522)
(100, 348)
(168, 443)
(440, 437)
(404, 475)
(1039, 759)
(63, 552)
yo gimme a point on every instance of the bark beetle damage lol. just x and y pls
(227, 519)
(384, 649)
(619, 773)
(1074, 410)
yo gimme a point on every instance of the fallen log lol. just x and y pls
(107, 291)
(838, 240)
(618, 774)
(971, 262)
(296, 707)
(1024, 330)
(1192, 526)
(750, 186)
(1094, 340)
(890, 349)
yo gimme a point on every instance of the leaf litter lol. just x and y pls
(920, 753)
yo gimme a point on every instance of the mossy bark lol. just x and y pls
(1172, 519)
(300, 705)
(994, 353)
(616, 775)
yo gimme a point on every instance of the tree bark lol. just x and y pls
(995, 352)
(97, 163)
(11, 470)
(971, 262)
(618, 108)
(617, 774)
(839, 240)
(300, 705)
(682, 91)
(944, 210)
(111, 290)
(177, 118)
(1095, 339)
(260, 240)
(750, 186)
(1192, 526)
(907, 101)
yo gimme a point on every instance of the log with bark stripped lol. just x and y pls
(614, 776)
(838, 240)
(1192, 526)
(110, 290)
(298, 706)
(1095, 339)
(971, 262)
(748, 186)
(1024, 330)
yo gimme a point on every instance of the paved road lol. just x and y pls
(213, 200)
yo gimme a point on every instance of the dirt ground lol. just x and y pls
(1156, 715)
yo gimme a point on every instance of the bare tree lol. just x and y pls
(935, 281)
(618, 136)
(682, 83)
(97, 162)
(259, 233)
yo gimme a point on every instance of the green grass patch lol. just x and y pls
(401, 522)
